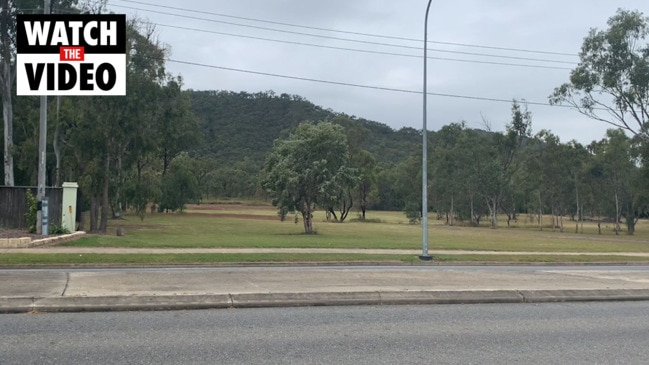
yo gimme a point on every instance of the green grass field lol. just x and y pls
(248, 227)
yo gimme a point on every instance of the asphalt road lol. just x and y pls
(572, 333)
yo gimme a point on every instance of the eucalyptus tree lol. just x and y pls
(615, 161)
(502, 158)
(446, 170)
(550, 171)
(304, 171)
(365, 165)
(611, 82)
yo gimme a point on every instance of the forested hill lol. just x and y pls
(244, 125)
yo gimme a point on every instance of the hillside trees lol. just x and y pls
(234, 179)
(304, 170)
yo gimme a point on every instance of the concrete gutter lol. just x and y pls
(261, 300)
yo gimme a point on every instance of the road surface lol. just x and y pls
(552, 333)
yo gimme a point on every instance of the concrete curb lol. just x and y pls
(545, 296)
(260, 300)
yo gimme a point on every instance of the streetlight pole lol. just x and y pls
(424, 160)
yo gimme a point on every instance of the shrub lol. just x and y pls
(32, 209)
(54, 229)
(413, 213)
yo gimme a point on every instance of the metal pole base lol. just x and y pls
(425, 258)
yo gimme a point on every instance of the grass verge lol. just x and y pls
(183, 231)
(11, 259)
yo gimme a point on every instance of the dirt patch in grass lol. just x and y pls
(232, 215)
(18, 233)
(229, 207)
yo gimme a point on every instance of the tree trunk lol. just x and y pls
(344, 211)
(578, 206)
(166, 161)
(617, 215)
(630, 225)
(307, 220)
(331, 212)
(629, 219)
(599, 222)
(363, 201)
(94, 213)
(103, 227)
(540, 213)
(452, 210)
(554, 223)
(6, 82)
(472, 211)
(581, 219)
(117, 211)
(493, 210)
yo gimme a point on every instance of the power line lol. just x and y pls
(340, 83)
(356, 49)
(350, 32)
(348, 49)
(345, 39)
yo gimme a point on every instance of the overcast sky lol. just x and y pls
(534, 25)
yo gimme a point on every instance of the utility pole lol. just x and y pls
(42, 147)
